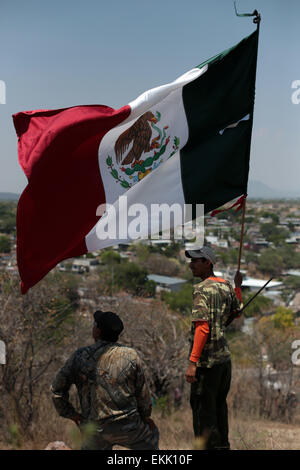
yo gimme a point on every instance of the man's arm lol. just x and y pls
(200, 337)
(143, 394)
(201, 318)
(60, 392)
(237, 300)
(238, 280)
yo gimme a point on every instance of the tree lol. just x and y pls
(262, 360)
(283, 317)
(149, 289)
(273, 233)
(33, 329)
(142, 251)
(270, 262)
(8, 224)
(7, 216)
(159, 264)
(110, 257)
(4, 244)
(172, 250)
(133, 278)
(180, 301)
(258, 306)
(161, 338)
(290, 257)
(250, 257)
(270, 215)
(292, 282)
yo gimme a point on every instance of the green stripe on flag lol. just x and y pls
(215, 159)
(219, 56)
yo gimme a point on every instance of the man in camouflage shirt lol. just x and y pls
(113, 392)
(209, 369)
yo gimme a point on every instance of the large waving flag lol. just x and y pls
(186, 142)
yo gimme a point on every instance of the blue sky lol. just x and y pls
(63, 53)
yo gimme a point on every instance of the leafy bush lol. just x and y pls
(283, 317)
(7, 216)
(180, 301)
(292, 282)
(274, 234)
(270, 262)
(4, 244)
(110, 257)
(258, 306)
(133, 278)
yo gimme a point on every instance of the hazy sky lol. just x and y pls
(68, 52)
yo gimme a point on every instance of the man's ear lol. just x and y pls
(96, 332)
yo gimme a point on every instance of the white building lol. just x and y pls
(255, 284)
(84, 265)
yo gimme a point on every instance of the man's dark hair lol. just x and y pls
(110, 325)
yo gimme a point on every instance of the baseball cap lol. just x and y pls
(204, 252)
(108, 322)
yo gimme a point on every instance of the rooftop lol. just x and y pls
(165, 279)
(251, 282)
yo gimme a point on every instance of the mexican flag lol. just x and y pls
(185, 142)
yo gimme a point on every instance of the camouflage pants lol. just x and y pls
(208, 402)
(129, 432)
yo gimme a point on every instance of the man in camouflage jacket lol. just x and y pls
(113, 392)
(209, 369)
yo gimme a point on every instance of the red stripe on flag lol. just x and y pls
(240, 203)
(58, 151)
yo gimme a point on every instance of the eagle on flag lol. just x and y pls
(139, 134)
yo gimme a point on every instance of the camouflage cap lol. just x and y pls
(204, 252)
(108, 322)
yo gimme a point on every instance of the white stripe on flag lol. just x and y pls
(163, 184)
(152, 97)
(159, 187)
(167, 100)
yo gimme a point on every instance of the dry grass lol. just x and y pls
(176, 433)
(176, 430)
(264, 435)
(245, 433)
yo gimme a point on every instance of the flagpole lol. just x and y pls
(242, 234)
(256, 21)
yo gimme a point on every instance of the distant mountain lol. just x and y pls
(259, 190)
(256, 190)
(9, 197)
